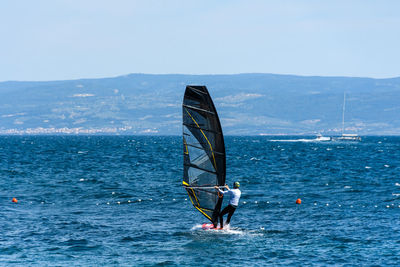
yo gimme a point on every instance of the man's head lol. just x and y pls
(236, 185)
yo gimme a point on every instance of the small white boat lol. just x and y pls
(323, 138)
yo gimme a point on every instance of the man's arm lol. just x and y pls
(219, 188)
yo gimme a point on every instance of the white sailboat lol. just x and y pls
(347, 137)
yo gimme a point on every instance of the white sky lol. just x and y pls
(61, 39)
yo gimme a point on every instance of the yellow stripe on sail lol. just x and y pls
(186, 148)
(212, 153)
(195, 197)
(194, 205)
(203, 213)
(191, 199)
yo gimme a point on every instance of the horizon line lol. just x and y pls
(200, 74)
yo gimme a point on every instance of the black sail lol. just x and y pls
(203, 152)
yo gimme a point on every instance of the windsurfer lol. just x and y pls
(233, 202)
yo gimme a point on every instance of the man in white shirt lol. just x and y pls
(233, 202)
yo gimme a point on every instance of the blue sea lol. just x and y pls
(118, 201)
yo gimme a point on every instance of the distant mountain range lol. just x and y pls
(248, 104)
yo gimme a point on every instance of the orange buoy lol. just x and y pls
(14, 200)
(298, 201)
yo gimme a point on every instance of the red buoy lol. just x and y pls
(298, 201)
(14, 200)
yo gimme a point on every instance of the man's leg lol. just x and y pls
(231, 211)
(215, 222)
(221, 219)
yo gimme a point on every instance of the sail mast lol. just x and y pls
(347, 137)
